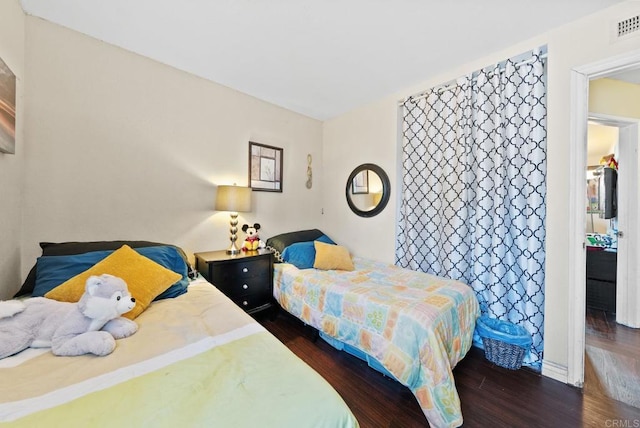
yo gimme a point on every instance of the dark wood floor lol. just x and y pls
(491, 396)
(612, 358)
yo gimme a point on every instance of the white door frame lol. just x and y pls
(580, 77)
(627, 296)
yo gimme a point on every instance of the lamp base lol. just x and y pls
(233, 249)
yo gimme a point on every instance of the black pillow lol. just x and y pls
(70, 248)
(280, 242)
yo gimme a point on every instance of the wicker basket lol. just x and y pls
(505, 343)
(503, 354)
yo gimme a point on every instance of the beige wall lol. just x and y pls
(601, 141)
(366, 135)
(122, 147)
(12, 36)
(614, 97)
(369, 134)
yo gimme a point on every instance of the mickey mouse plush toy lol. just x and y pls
(252, 242)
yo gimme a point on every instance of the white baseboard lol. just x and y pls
(555, 371)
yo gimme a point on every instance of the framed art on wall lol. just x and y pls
(7, 109)
(360, 183)
(265, 167)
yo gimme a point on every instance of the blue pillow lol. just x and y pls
(303, 254)
(52, 271)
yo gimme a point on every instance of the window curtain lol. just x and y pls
(474, 188)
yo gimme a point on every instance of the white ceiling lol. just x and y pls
(320, 58)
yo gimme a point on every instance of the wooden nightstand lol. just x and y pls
(246, 278)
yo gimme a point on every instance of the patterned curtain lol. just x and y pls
(474, 188)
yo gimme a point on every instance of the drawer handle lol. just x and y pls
(245, 270)
(245, 303)
(245, 286)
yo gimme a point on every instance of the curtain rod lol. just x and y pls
(448, 86)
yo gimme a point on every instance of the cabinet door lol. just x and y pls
(239, 270)
(601, 295)
(601, 265)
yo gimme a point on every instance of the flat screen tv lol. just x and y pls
(607, 193)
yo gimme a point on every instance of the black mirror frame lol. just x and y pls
(386, 190)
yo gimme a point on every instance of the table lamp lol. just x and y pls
(233, 199)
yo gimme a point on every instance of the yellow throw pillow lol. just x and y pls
(145, 278)
(329, 256)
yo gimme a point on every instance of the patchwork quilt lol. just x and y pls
(417, 326)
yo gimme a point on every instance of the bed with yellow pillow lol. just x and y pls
(409, 325)
(196, 360)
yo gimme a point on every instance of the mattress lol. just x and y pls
(416, 326)
(196, 360)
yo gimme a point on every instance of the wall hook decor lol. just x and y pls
(309, 172)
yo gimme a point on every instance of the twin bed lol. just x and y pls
(409, 325)
(196, 360)
(199, 360)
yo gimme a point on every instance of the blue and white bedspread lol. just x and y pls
(418, 326)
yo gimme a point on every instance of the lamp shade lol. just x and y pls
(233, 198)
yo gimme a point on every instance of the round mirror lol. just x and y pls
(368, 190)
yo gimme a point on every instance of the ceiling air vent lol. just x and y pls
(628, 27)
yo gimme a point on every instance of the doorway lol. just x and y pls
(603, 199)
(620, 135)
(612, 350)
(581, 77)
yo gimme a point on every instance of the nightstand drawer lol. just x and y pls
(240, 269)
(245, 286)
(251, 301)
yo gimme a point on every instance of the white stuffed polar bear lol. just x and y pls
(89, 326)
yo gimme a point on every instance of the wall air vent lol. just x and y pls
(628, 27)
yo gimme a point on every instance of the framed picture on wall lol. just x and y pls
(360, 183)
(265, 167)
(7, 109)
